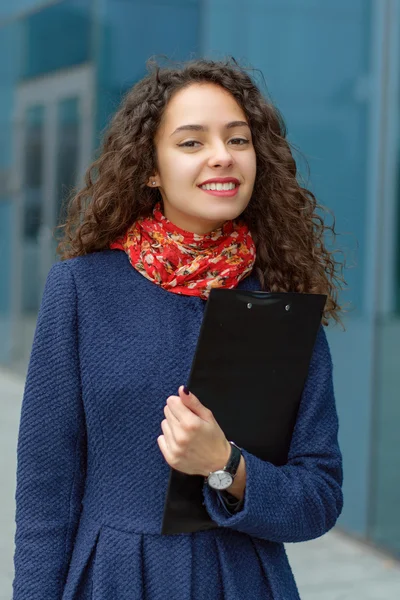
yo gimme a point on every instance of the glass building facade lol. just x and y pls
(333, 70)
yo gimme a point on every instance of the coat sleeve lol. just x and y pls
(51, 449)
(229, 502)
(301, 500)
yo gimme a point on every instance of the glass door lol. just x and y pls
(53, 126)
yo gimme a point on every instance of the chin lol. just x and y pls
(224, 213)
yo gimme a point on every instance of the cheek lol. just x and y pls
(183, 169)
(250, 168)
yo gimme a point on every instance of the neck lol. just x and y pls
(190, 224)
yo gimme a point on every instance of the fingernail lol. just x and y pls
(186, 390)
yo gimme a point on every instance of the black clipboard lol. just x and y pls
(249, 368)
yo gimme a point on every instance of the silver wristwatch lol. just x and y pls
(223, 478)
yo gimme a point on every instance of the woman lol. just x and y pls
(195, 188)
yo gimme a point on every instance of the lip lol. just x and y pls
(221, 180)
(222, 193)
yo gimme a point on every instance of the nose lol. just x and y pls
(220, 156)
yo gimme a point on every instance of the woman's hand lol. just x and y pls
(192, 441)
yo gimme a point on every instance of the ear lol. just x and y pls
(151, 181)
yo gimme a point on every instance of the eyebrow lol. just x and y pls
(195, 127)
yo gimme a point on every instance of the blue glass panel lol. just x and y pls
(131, 33)
(10, 8)
(32, 195)
(33, 171)
(56, 37)
(397, 249)
(6, 221)
(68, 132)
(385, 516)
(9, 47)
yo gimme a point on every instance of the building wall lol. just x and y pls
(332, 70)
(10, 9)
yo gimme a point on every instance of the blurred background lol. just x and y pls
(333, 69)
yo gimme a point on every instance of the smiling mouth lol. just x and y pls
(231, 185)
(220, 189)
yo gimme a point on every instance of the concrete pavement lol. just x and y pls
(333, 567)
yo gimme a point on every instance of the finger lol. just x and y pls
(177, 407)
(169, 415)
(172, 422)
(169, 436)
(187, 422)
(162, 444)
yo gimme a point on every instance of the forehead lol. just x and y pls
(203, 103)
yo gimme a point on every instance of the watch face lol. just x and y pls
(220, 480)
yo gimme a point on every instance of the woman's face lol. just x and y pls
(204, 136)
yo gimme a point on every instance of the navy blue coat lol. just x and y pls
(110, 347)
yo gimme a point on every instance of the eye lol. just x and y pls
(188, 144)
(191, 143)
(242, 140)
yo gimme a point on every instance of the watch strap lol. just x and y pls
(234, 460)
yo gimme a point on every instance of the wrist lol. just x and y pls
(238, 485)
(221, 462)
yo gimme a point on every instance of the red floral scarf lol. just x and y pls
(186, 263)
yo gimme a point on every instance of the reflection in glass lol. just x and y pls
(397, 283)
(33, 171)
(67, 151)
(32, 205)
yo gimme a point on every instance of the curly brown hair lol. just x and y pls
(282, 216)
